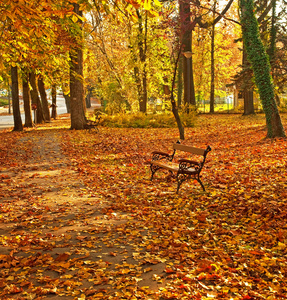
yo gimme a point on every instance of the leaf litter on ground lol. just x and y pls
(80, 218)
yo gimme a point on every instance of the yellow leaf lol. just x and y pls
(147, 4)
(157, 3)
(281, 246)
(74, 18)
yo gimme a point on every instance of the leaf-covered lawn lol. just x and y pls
(100, 229)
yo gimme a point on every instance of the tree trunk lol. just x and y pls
(88, 97)
(273, 33)
(9, 96)
(143, 102)
(172, 100)
(67, 102)
(18, 126)
(186, 33)
(36, 100)
(212, 69)
(177, 117)
(272, 47)
(54, 102)
(261, 68)
(43, 95)
(248, 101)
(78, 119)
(141, 79)
(247, 86)
(27, 101)
(169, 94)
(179, 83)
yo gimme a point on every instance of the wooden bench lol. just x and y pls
(182, 169)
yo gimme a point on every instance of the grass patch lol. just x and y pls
(3, 102)
(141, 120)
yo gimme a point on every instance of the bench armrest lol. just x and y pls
(187, 163)
(158, 155)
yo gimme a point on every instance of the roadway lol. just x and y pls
(6, 121)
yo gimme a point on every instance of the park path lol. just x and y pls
(57, 239)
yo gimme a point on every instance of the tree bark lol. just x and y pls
(18, 126)
(179, 83)
(36, 100)
(272, 49)
(186, 33)
(247, 86)
(67, 102)
(248, 101)
(261, 68)
(173, 103)
(141, 79)
(27, 100)
(54, 102)
(177, 117)
(139, 86)
(9, 96)
(78, 119)
(44, 100)
(273, 33)
(212, 68)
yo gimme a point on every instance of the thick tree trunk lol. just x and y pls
(186, 33)
(141, 79)
(273, 33)
(27, 101)
(54, 102)
(36, 100)
(78, 119)
(247, 86)
(248, 101)
(272, 46)
(18, 126)
(261, 68)
(43, 95)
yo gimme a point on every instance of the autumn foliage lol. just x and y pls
(81, 219)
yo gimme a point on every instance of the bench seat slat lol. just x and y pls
(171, 166)
(166, 165)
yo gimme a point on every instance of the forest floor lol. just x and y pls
(80, 218)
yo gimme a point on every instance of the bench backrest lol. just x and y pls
(190, 149)
(193, 150)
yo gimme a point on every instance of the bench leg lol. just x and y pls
(198, 179)
(180, 178)
(153, 170)
(178, 186)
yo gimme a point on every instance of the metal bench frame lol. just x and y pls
(183, 169)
